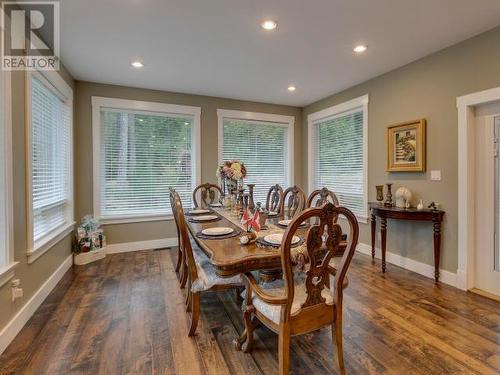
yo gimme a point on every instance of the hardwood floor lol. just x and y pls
(125, 315)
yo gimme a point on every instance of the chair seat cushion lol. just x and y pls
(276, 288)
(207, 277)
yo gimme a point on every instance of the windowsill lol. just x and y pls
(7, 273)
(49, 242)
(130, 220)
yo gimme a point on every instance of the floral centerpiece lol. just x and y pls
(231, 173)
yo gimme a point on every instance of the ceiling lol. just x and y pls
(216, 47)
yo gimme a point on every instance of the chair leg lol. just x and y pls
(249, 328)
(337, 335)
(195, 313)
(284, 350)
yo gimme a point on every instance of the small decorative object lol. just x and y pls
(420, 205)
(262, 216)
(90, 241)
(231, 175)
(434, 206)
(248, 238)
(403, 197)
(251, 203)
(406, 147)
(380, 192)
(251, 221)
(388, 196)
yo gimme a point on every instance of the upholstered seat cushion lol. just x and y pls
(276, 288)
(207, 277)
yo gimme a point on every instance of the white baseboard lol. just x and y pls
(9, 332)
(424, 269)
(140, 245)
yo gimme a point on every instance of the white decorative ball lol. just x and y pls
(403, 197)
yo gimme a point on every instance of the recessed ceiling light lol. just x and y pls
(269, 25)
(292, 88)
(360, 49)
(137, 64)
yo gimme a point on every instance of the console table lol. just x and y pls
(384, 213)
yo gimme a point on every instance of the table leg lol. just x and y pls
(374, 228)
(383, 234)
(437, 247)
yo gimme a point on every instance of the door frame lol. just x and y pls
(466, 106)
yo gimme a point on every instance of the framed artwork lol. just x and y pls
(406, 147)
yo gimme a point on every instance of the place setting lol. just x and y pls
(273, 241)
(286, 222)
(218, 233)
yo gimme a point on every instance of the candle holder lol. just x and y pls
(380, 192)
(251, 203)
(388, 197)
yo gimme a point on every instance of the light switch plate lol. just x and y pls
(435, 175)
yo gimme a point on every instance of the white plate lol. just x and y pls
(215, 205)
(272, 213)
(218, 231)
(284, 222)
(199, 211)
(276, 238)
(205, 218)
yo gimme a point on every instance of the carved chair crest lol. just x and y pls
(209, 194)
(294, 202)
(274, 196)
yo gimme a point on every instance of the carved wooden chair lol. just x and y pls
(304, 301)
(201, 274)
(180, 266)
(322, 196)
(293, 202)
(209, 194)
(274, 197)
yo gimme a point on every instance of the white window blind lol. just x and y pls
(142, 154)
(338, 158)
(264, 149)
(50, 160)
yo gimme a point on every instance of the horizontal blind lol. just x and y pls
(338, 159)
(141, 156)
(51, 121)
(263, 148)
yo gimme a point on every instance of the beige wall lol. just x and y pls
(427, 88)
(32, 275)
(209, 153)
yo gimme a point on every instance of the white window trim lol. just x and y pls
(65, 92)
(7, 270)
(279, 120)
(336, 111)
(136, 105)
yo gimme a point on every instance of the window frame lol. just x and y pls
(279, 120)
(98, 103)
(54, 82)
(342, 109)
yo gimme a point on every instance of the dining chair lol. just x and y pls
(209, 194)
(293, 202)
(180, 266)
(201, 274)
(322, 196)
(274, 197)
(304, 301)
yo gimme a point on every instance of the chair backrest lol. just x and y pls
(209, 193)
(293, 202)
(322, 196)
(321, 243)
(184, 241)
(171, 196)
(274, 197)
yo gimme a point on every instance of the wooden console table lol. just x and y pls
(384, 213)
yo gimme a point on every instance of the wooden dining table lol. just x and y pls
(228, 256)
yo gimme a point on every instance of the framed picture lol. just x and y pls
(406, 147)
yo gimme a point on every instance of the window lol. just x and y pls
(50, 149)
(338, 153)
(141, 149)
(263, 142)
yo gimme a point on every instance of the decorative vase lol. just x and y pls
(420, 205)
(380, 192)
(388, 196)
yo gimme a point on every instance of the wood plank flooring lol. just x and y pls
(125, 315)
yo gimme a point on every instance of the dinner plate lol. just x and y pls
(217, 231)
(287, 222)
(215, 205)
(199, 211)
(276, 238)
(205, 217)
(272, 213)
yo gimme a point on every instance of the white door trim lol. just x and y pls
(466, 234)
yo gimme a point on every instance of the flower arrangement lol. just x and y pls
(89, 235)
(231, 170)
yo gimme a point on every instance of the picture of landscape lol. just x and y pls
(405, 142)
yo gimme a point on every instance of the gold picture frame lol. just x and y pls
(406, 147)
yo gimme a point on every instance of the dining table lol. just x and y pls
(229, 256)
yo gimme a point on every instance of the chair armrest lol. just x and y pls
(255, 288)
